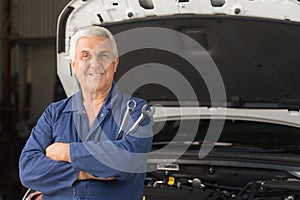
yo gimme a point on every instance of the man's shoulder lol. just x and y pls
(137, 100)
(62, 105)
(121, 97)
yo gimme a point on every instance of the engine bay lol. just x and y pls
(239, 167)
(220, 183)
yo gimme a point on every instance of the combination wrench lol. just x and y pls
(131, 104)
(146, 112)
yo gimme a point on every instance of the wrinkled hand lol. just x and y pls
(84, 176)
(59, 152)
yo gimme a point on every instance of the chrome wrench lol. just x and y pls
(146, 112)
(131, 104)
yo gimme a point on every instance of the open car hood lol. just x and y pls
(253, 47)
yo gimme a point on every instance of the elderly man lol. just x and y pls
(79, 149)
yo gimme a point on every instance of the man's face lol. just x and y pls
(95, 63)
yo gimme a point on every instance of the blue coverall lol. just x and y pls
(94, 150)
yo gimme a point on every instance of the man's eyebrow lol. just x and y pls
(103, 51)
(84, 51)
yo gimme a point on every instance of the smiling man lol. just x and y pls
(78, 150)
(94, 65)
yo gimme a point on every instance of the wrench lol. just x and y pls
(131, 104)
(146, 112)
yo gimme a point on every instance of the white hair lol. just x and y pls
(90, 31)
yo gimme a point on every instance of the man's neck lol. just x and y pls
(93, 102)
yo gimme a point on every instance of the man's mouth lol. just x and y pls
(96, 74)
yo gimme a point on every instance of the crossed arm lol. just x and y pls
(40, 163)
(61, 152)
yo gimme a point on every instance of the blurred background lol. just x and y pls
(28, 81)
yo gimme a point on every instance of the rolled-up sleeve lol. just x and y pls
(37, 171)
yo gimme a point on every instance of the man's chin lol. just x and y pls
(97, 86)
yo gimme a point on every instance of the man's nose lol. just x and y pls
(96, 63)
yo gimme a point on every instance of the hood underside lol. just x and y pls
(257, 59)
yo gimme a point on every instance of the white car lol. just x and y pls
(224, 78)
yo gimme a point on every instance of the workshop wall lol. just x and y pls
(36, 18)
(33, 33)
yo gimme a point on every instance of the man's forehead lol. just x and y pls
(95, 43)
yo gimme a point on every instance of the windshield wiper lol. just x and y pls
(290, 104)
(233, 147)
(255, 149)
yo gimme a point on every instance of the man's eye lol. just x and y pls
(85, 56)
(104, 55)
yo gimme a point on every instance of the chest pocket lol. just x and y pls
(65, 131)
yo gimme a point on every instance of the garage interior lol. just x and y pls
(28, 78)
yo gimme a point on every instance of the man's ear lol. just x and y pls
(116, 64)
(72, 67)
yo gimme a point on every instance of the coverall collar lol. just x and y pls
(76, 104)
